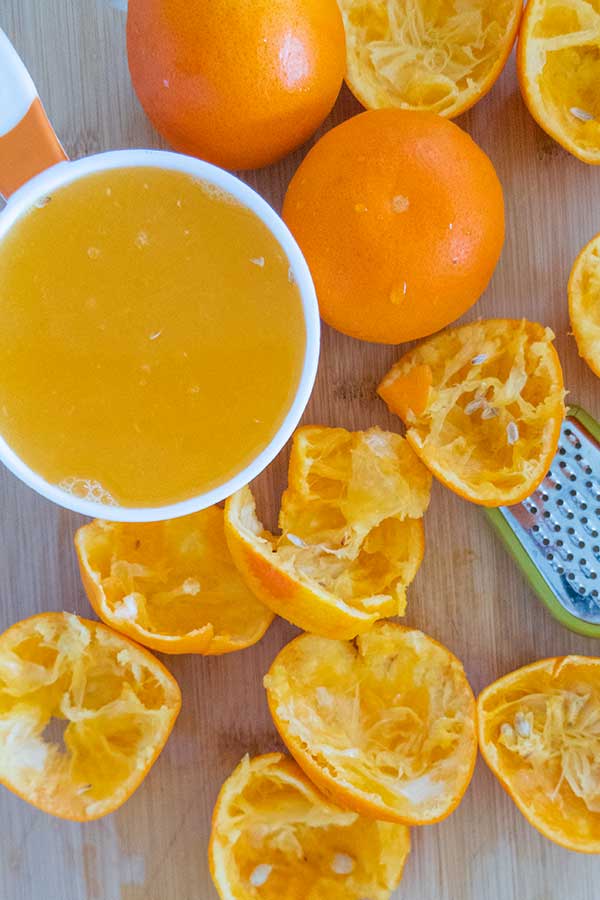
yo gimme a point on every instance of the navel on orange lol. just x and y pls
(170, 585)
(351, 538)
(539, 732)
(400, 216)
(584, 303)
(489, 422)
(384, 725)
(113, 701)
(559, 69)
(240, 83)
(421, 54)
(274, 836)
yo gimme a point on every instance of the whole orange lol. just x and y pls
(400, 216)
(240, 83)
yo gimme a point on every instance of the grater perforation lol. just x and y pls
(554, 534)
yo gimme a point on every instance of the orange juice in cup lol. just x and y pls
(159, 330)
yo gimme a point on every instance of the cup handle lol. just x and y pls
(28, 144)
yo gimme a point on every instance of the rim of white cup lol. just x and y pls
(64, 173)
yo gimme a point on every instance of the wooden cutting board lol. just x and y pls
(467, 595)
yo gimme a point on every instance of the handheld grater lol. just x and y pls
(554, 535)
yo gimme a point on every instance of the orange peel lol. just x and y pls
(558, 63)
(423, 55)
(352, 537)
(115, 703)
(274, 835)
(383, 725)
(584, 303)
(171, 585)
(491, 424)
(539, 734)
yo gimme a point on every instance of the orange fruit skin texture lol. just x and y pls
(400, 216)
(50, 791)
(293, 669)
(552, 808)
(240, 83)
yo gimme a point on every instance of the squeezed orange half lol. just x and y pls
(152, 336)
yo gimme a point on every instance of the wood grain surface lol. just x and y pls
(468, 593)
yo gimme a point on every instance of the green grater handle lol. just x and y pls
(575, 412)
(524, 562)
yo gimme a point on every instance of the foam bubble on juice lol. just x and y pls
(87, 489)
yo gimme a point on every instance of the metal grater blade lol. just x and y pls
(558, 527)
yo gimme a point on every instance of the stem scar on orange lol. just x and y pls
(400, 216)
(114, 702)
(240, 83)
(539, 732)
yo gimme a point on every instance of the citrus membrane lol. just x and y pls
(486, 418)
(559, 68)
(274, 836)
(84, 713)
(539, 731)
(351, 537)
(384, 725)
(426, 54)
(170, 585)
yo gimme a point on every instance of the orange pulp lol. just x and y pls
(152, 336)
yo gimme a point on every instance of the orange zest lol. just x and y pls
(492, 420)
(383, 725)
(539, 734)
(584, 303)
(275, 836)
(114, 703)
(351, 538)
(426, 55)
(558, 63)
(170, 585)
